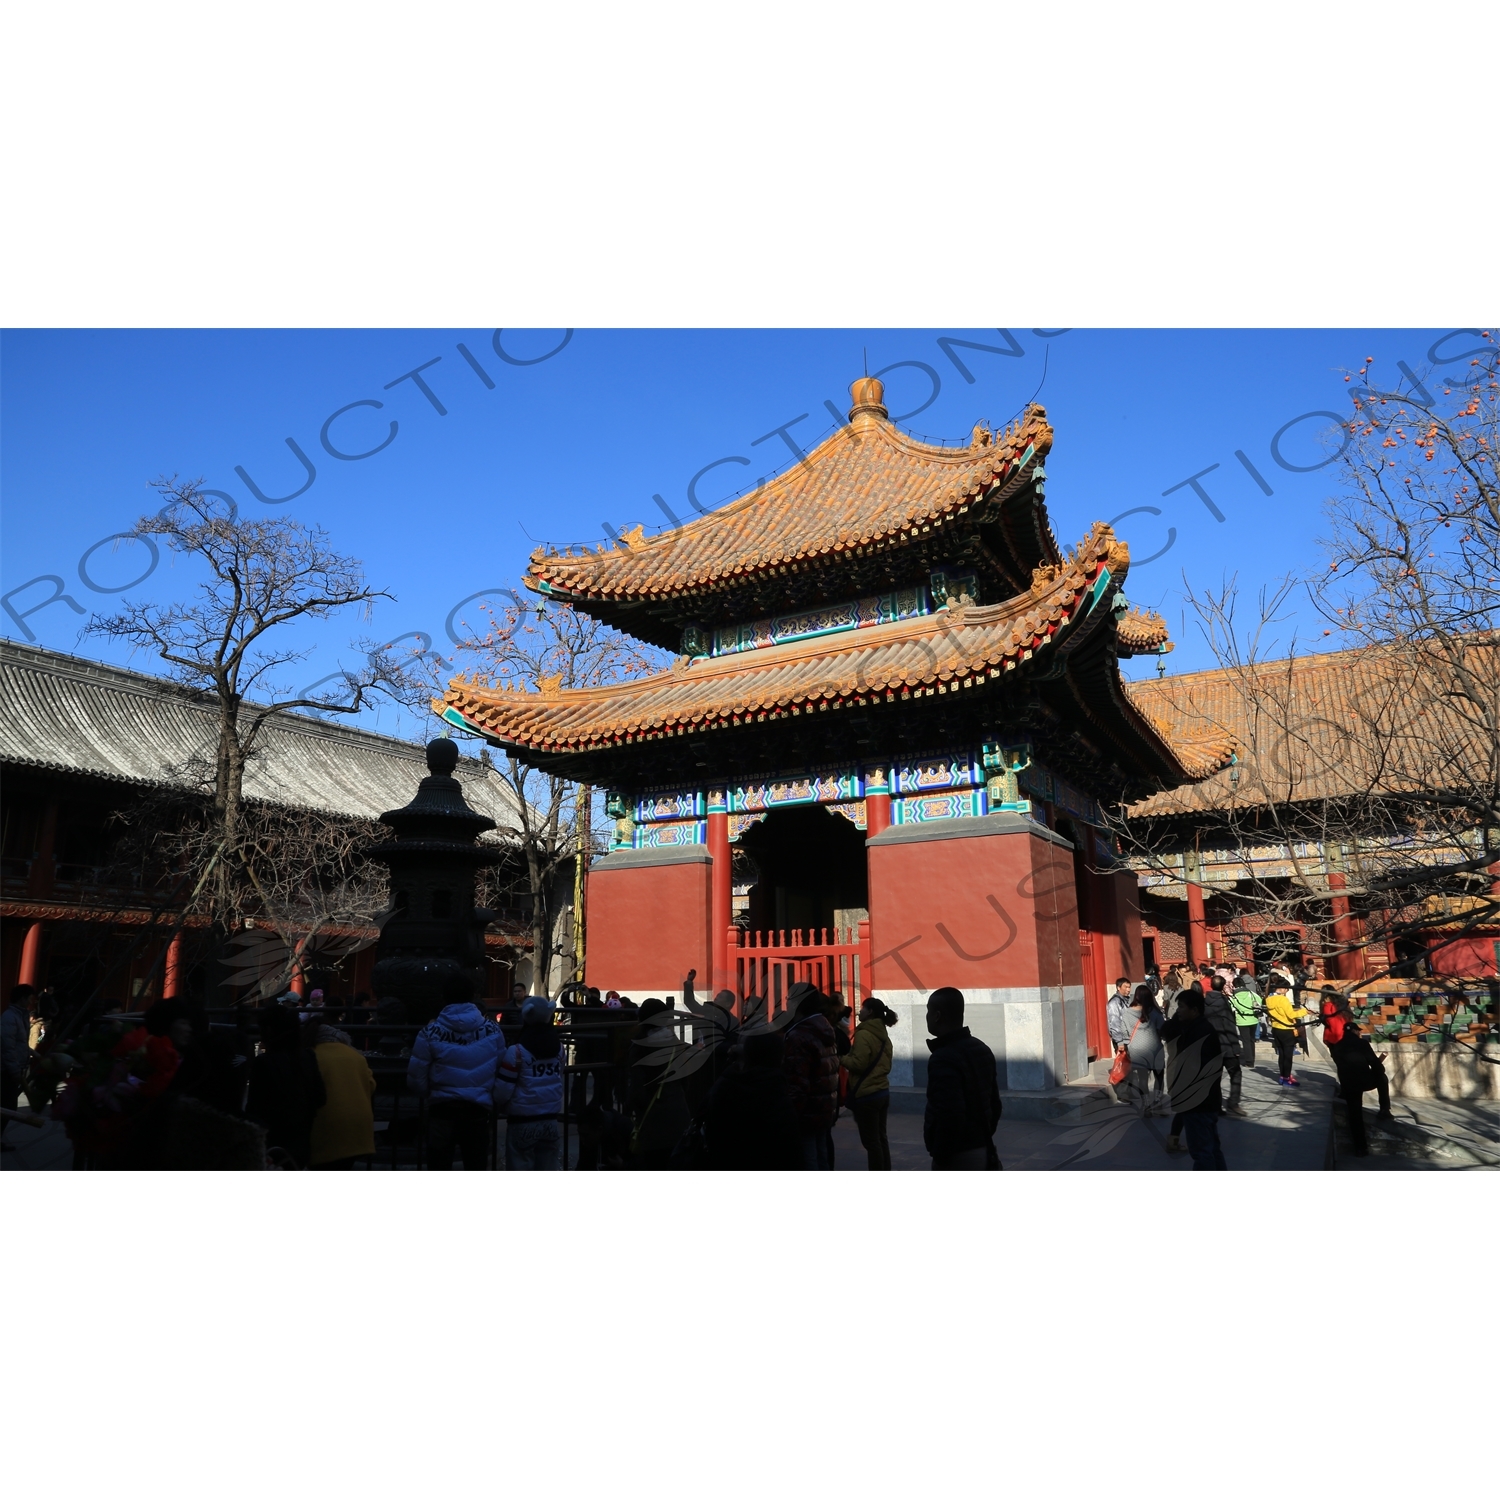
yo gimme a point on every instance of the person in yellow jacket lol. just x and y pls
(868, 1066)
(1284, 1014)
(344, 1129)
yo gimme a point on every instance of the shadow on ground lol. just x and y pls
(1287, 1131)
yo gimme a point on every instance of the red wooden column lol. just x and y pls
(1349, 965)
(877, 802)
(1390, 943)
(1197, 944)
(172, 975)
(721, 896)
(31, 955)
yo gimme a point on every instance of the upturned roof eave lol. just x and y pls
(750, 665)
(577, 578)
(1056, 606)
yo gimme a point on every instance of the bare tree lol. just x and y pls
(1366, 798)
(549, 646)
(320, 898)
(229, 641)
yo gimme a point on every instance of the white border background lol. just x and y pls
(817, 164)
(787, 164)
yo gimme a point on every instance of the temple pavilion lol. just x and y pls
(901, 702)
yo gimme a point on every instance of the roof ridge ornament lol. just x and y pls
(868, 396)
(1043, 578)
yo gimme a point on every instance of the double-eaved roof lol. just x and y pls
(64, 714)
(965, 651)
(887, 595)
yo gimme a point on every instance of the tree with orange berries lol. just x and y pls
(1396, 778)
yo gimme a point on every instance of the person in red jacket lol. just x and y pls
(811, 1063)
(1336, 1015)
(105, 1095)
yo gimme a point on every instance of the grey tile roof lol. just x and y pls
(63, 713)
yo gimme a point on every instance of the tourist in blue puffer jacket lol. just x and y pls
(455, 1061)
(530, 1091)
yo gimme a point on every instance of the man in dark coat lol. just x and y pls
(812, 1072)
(1361, 1068)
(286, 1087)
(963, 1096)
(749, 1124)
(1195, 1066)
(211, 1069)
(15, 1051)
(659, 1107)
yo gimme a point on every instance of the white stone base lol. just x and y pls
(1037, 1035)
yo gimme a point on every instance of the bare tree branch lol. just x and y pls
(1365, 804)
(549, 646)
(262, 574)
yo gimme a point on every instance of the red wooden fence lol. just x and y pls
(770, 963)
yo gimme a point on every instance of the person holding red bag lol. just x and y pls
(1121, 1023)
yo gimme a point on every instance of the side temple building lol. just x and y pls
(80, 742)
(900, 701)
(1279, 855)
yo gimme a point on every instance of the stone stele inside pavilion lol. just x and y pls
(902, 702)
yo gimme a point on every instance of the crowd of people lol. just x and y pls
(164, 1089)
(1176, 1036)
(287, 1088)
(766, 1096)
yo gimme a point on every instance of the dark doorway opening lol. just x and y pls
(1411, 958)
(811, 864)
(1280, 945)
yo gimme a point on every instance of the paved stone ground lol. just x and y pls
(1427, 1135)
(37, 1150)
(1287, 1131)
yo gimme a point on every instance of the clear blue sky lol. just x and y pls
(581, 440)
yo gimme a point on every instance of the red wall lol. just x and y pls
(1120, 903)
(934, 918)
(1468, 958)
(648, 925)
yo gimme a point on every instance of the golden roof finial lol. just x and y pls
(868, 395)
